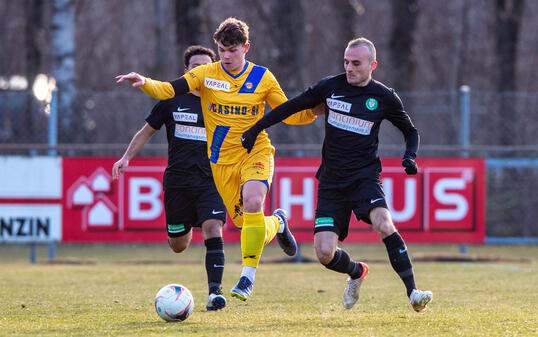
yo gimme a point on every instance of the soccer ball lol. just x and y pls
(174, 303)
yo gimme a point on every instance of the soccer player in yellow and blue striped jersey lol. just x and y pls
(233, 93)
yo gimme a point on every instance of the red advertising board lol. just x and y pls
(130, 209)
(444, 202)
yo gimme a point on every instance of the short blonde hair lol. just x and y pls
(362, 41)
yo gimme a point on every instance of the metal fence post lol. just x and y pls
(53, 123)
(465, 104)
(53, 141)
(33, 253)
(465, 134)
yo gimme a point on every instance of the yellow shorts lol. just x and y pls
(257, 165)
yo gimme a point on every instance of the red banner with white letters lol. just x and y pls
(444, 202)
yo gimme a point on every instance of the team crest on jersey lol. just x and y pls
(216, 84)
(335, 104)
(371, 104)
(248, 85)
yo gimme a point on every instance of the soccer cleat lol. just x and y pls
(286, 241)
(215, 301)
(351, 293)
(419, 299)
(242, 289)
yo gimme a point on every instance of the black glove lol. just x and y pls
(409, 163)
(248, 139)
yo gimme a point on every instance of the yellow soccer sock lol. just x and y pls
(253, 236)
(272, 225)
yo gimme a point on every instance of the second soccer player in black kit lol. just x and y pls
(350, 169)
(190, 196)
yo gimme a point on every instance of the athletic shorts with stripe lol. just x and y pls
(229, 179)
(187, 208)
(334, 205)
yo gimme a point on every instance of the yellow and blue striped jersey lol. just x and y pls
(231, 104)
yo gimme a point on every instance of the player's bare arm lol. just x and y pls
(137, 143)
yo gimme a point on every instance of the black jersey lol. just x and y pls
(188, 164)
(350, 147)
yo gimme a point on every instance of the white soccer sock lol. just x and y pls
(249, 272)
(282, 226)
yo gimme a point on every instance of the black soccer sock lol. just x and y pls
(400, 261)
(214, 263)
(343, 264)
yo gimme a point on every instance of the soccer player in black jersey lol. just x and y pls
(190, 196)
(350, 168)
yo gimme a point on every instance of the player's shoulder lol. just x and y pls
(334, 81)
(381, 87)
(260, 71)
(387, 93)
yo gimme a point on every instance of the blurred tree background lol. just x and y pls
(427, 49)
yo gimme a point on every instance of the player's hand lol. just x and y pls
(410, 165)
(119, 167)
(136, 79)
(248, 139)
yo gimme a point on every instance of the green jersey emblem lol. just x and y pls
(371, 104)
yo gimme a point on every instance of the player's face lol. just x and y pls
(233, 57)
(358, 66)
(198, 60)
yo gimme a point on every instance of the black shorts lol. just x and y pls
(334, 206)
(187, 208)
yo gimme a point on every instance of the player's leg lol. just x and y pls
(258, 230)
(179, 243)
(331, 225)
(228, 182)
(398, 256)
(211, 215)
(253, 236)
(179, 219)
(214, 262)
(337, 259)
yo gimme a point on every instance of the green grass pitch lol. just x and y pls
(110, 298)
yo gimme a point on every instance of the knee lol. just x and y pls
(253, 203)
(212, 229)
(382, 222)
(178, 246)
(384, 228)
(324, 254)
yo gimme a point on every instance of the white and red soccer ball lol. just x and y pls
(174, 303)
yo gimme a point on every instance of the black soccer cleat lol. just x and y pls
(286, 241)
